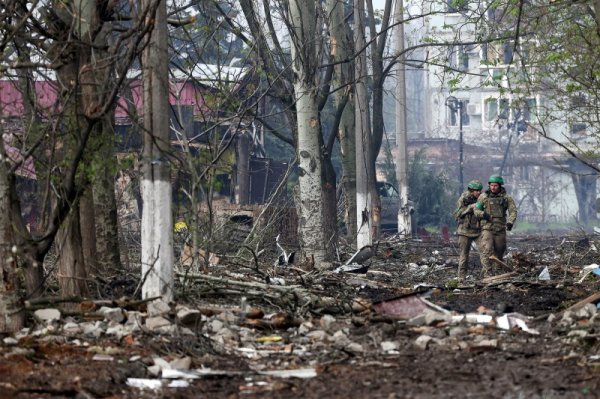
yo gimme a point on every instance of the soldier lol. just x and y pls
(468, 225)
(492, 207)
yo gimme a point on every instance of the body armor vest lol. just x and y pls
(497, 209)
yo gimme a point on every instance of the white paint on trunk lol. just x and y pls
(157, 240)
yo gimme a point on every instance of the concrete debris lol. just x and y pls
(544, 274)
(423, 341)
(512, 321)
(47, 316)
(593, 268)
(288, 337)
(112, 314)
(406, 307)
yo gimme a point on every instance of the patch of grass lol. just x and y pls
(452, 284)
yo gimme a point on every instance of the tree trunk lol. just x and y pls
(106, 221)
(585, 191)
(242, 176)
(341, 49)
(364, 200)
(12, 316)
(71, 266)
(311, 205)
(157, 223)
(88, 230)
(404, 212)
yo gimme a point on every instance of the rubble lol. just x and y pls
(321, 317)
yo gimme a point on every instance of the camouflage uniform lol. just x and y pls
(468, 229)
(493, 234)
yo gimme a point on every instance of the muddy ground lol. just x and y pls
(380, 356)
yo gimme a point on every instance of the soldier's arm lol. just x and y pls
(512, 210)
(479, 207)
(459, 207)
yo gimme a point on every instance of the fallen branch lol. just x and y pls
(294, 296)
(498, 261)
(499, 278)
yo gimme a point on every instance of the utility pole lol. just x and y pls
(457, 105)
(157, 222)
(404, 213)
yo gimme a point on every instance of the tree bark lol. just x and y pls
(242, 177)
(312, 228)
(106, 221)
(71, 266)
(12, 317)
(88, 231)
(341, 49)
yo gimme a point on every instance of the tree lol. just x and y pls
(65, 90)
(303, 23)
(342, 48)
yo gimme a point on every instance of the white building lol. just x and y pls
(500, 123)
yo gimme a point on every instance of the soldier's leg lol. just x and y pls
(464, 247)
(500, 245)
(486, 249)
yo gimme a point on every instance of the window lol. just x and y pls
(578, 130)
(490, 109)
(497, 53)
(458, 58)
(510, 113)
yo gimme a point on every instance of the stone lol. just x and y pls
(158, 308)
(457, 331)
(112, 314)
(189, 317)
(423, 341)
(156, 322)
(72, 328)
(317, 335)
(388, 346)
(326, 322)
(354, 347)
(215, 325)
(183, 363)
(47, 315)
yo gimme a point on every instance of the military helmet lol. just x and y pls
(496, 179)
(475, 185)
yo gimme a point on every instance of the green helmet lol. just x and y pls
(475, 185)
(496, 179)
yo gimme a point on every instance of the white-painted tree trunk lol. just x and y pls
(157, 223)
(404, 219)
(303, 21)
(363, 198)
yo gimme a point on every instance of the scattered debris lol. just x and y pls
(544, 275)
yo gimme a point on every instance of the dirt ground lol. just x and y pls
(482, 362)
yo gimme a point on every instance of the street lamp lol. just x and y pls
(457, 105)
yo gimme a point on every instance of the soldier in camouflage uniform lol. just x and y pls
(498, 213)
(468, 224)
